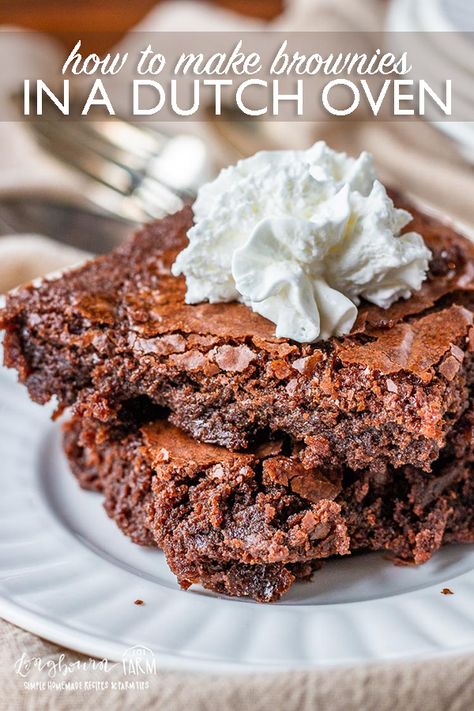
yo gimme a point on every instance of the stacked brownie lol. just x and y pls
(250, 459)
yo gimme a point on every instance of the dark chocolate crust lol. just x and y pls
(250, 524)
(117, 330)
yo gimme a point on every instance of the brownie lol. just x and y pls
(250, 524)
(117, 331)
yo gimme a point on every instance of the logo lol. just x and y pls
(138, 660)
(58, 674)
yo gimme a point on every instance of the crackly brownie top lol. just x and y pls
(132, 291)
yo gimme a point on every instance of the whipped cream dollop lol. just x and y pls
(300, 237)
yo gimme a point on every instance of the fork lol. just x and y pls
(132, 171)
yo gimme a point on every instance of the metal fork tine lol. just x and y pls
(116, 176)
(152, 168)
(122, 135)
(127, 207)
(110, 190)
(131, 170)
(72, 134)
(156, 196)
(152, 165)
(85, 160)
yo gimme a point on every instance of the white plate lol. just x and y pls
(67, 574)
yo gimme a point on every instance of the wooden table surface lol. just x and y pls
(109, 18)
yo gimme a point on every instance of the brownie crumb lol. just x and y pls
(446, 591)
(138, 602)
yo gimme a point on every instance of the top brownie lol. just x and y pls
(115, 336)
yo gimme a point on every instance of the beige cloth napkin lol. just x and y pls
(414, 157)
(444, 685)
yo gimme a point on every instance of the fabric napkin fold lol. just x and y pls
(444, 684)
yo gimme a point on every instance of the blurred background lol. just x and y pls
(67, 189)
(61, 17)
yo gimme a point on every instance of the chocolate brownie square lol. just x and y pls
(117, 331)
(250, 524)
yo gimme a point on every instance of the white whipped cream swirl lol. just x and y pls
(300, 237)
